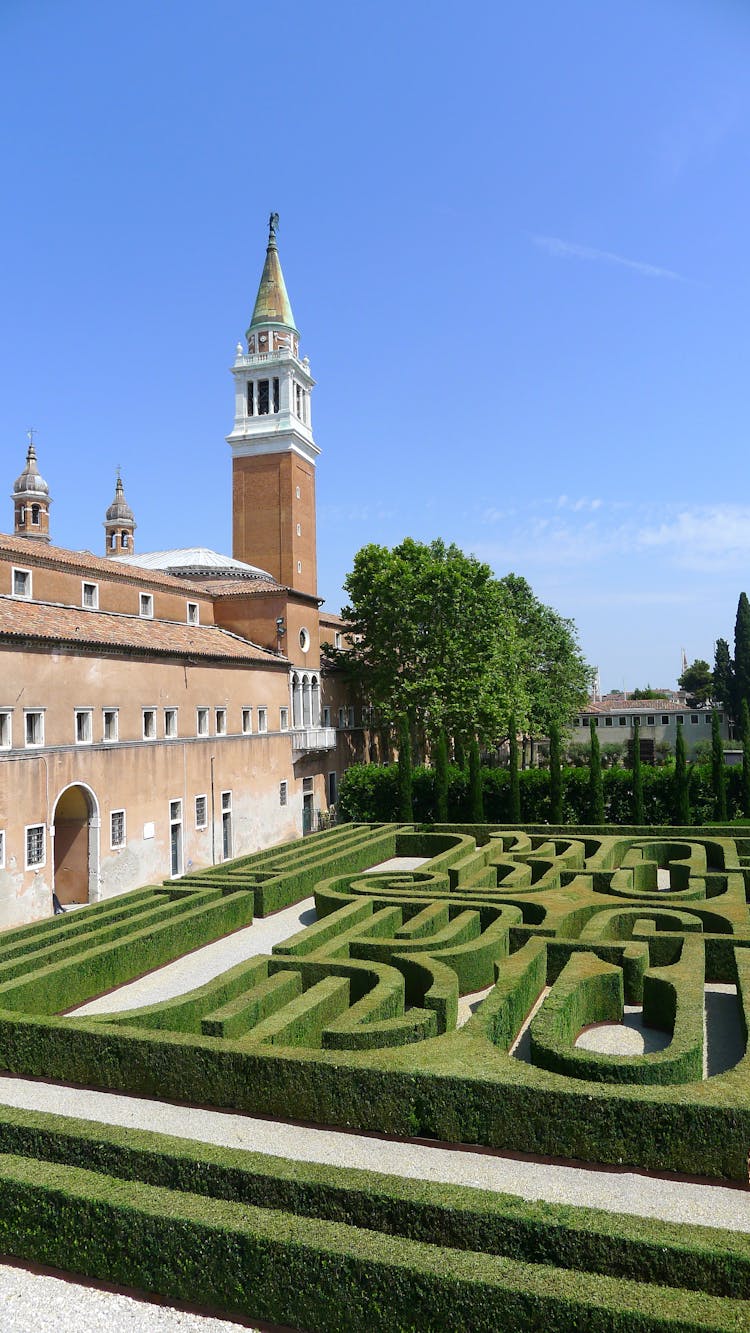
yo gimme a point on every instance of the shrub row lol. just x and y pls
(370, 792)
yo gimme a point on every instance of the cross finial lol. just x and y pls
(118, 470)
(31, 432)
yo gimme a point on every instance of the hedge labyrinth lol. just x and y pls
(478, 998)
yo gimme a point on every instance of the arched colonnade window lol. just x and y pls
(305, 699)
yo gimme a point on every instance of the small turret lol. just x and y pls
(119, 524)
(31, 500)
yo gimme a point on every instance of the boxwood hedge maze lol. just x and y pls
(570, 993)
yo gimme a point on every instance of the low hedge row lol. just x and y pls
(322, 1275)
(369, 792)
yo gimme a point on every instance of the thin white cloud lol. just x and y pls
(710, 538)
(584, 502)
(561, 249)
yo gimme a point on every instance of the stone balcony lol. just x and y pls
(313, 738)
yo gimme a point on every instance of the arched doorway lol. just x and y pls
(76, 845)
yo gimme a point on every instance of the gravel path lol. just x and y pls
(617, 1191)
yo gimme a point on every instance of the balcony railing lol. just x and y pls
(313, 738)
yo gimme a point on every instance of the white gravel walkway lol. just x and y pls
(615, 1191)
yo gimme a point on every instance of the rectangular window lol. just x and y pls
(275, 395)
(6, 729)
(146, 605)
(337, 640)
(22, 583)
(110, 724)
(262, 719)
(193, 613)
(282, 793)
(36, 847)
(350, 718)
(665, 719)
(175, 810)
(170, 723)
(247, 721)
(623, 721)
(201, 812)
(149, 724)
(649, 721)
(679, 719)
(608, 721)
(250, 398)
(117, 829)
(262, 398)
(90, 595)
(34, 726)
(284, 719)
(2, 849)
(694, 718)
(226, 801)
(84, 727)
(326, 716)
(221, 721)
(298, 398)
(342, 717)
(201, 722)
(332, 788)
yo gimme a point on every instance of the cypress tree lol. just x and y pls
(718, 774)
(723, 681)
(637, 774)
(441, 779)
(681, 785)
(515, 787)
(476, 791)
(741, 656)
(405, 803)
(596, 791)
(555, 777)
(746, 760)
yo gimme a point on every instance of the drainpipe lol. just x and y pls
(213, 817)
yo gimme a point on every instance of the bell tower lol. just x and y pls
(119, 524)
(31, 500)
(273, 450)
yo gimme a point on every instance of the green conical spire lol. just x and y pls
(272, 305)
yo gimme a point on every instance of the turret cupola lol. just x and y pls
(119, 524)
(272, 443)
(31, 500)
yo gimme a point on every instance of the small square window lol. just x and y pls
(623, 721)
(110, 724)
(175, 811)
(262, 719)
(649, 721)
(36, 847)
(247, 721)
(84, 728)
(22, 583)
(201, 812)
(193, 613)
(679, 719)
(149, 724)
(694, 718)
(90, 595)
(284, 719)
(146, 606)
(2, 849)
(117, 829)
(6, 729)
(221, 721)
(282, 793)
(201, 721)
(226, 801)
(665, 719)
(608, 721)
(34, 727)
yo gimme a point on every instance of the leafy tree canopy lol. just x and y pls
(436, 638)
(698, 682)
(648, 693)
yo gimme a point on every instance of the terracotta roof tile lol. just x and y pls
(58, 557)
(67, 624)
(237, 587)
(603, 706)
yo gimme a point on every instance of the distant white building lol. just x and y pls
(658, 719)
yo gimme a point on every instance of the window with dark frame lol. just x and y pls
(117, 828)
(263, 399)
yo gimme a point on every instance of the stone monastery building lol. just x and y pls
(166, 711)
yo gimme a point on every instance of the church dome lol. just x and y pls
(120, 510)
(30, 482)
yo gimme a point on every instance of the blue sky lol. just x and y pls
(515, 239)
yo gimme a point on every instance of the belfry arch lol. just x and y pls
(75, 840)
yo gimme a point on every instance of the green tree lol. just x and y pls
(551, 677)
(476, 791)
(596, 790)
(741, 674)
(555, 776)
(745, 760)
(698, 682)
(429, 628)
(723, 675)
(681, 783)
(718, 772)
(405, 800)
(440, 758)
(515, 787)
(637, 774)
(647, 693)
